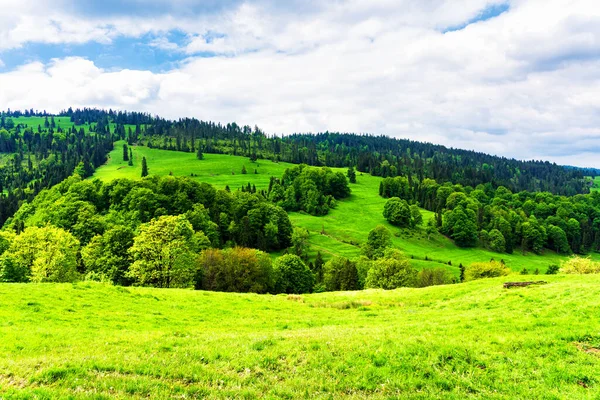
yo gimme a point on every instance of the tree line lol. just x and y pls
(503, 221)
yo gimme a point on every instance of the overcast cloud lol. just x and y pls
(518, 78)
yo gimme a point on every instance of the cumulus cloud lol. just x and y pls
(524, 84)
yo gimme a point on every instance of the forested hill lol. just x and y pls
(378, 155)
(38, 150)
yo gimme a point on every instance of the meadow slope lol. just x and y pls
(342, 231)
(471, 340)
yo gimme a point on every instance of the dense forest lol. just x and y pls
(503, 221)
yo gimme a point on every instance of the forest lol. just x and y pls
(107, 230)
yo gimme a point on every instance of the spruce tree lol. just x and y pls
(125, 153)
(199, 154)
(244, 170)
(144, 167)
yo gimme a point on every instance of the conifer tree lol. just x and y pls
(144, 167)
(125, 153)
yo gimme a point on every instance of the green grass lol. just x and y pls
(472, 340)
(342, 231)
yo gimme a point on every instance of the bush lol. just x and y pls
(391, 272)
(481, 270)
(552, 269)
(235, 270)
(434, 276)
(580, 265)
(292, 275)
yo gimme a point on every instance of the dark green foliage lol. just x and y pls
(318, 267)
(313, 190)
(292, 275)
(351, 175)
(125, 153)
(397, 212)
(340, 274)
(108, 255)
(552, 269)
(244, 171)
(144, 167)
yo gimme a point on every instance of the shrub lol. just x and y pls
(580, 265)
(481, 270)
(235, 270)
(434, 276)
(552, 269)
(292, 275)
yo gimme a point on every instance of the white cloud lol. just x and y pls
(524, 84)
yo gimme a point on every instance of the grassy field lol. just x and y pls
(471, 340)
(342, 231)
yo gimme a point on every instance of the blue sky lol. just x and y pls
(519, 78)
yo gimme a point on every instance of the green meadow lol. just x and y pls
(471, 340)
(342, 231)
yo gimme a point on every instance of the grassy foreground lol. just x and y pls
(473, 340)
(342, 231)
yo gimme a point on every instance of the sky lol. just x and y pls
(517, 78)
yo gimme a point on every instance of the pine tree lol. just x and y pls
(199, 154)
(125, 153)
(144, 167)
(244, 170)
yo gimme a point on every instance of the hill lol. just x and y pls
(473, 340)
(342, 230)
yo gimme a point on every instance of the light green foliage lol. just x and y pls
(47, 254)
(341, 274)
(391, 272)
(415, 215)
(292, 275)
(481, 270)
(460, 225)
(580, 265)
(163, 253)
(378, 241)
(235, 270)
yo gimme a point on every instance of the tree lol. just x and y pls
(416, 218)
(108, 255)
(164, 253)
(47, 254)
(144, 167)
(318, 267)
(351, 175)
(340, 274)
(199, 154)
(496, 241)
(125, 153)
(378, 241)
(397, 212)
(390, 272)
(244, 171)
(431, 227)
(292, 275)
(300, 242)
